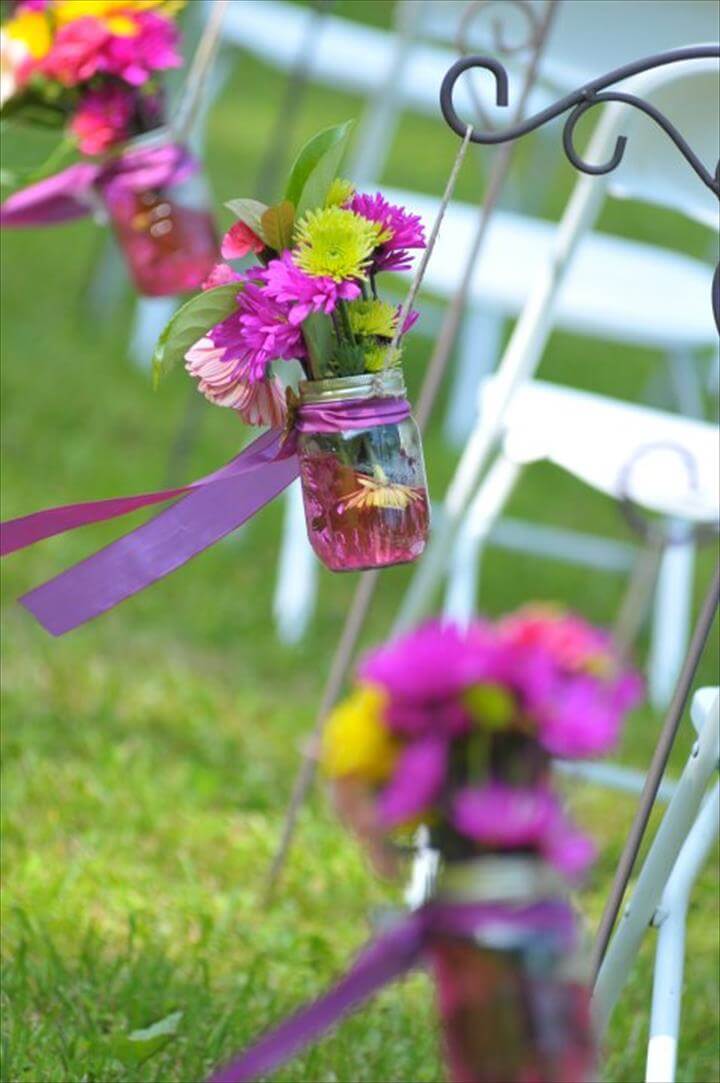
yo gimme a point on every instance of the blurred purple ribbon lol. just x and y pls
(388, 957)
(209, 509)
(70, 193)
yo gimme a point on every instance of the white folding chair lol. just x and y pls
(661, 895)
(676, 472)
(672, 88)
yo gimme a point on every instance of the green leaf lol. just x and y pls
(135, 1048)
(249, 211)
(277, 224)
(189, 324)
(317, 332)
(315, 168)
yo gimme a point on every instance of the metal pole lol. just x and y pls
(656, 870)
(655, 772)
(366, 588)
(671, 918)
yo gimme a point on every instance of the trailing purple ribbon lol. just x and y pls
(210, 508)
(69, 194)
(388, 957)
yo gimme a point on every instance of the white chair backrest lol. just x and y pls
(587, 37)
(652, 168)
(596, 439)
(592, 37)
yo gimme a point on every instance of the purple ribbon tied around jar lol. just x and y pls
(209, 509)
(73, 193)
(392, 954)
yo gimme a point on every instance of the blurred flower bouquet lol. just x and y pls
(89, 69)
(454, 729)
(312, 297)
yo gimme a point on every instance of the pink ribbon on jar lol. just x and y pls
(71, 193)
(210, 508)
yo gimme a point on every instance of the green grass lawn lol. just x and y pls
(148, 756)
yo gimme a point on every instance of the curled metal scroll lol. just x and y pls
(666, 533)
(580, 101)
(478, 9)
(496, 11)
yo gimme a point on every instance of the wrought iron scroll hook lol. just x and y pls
(580, 101)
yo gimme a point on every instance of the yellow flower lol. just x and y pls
(356, 741)
(376, 358)
(373, 318)
(340, 191)
(33, 30)
(336, 243)
(114, 14)
(379, 492)
(490, 705)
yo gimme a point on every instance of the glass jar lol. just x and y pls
(165, 230)
(512, 1004)
(364, 489)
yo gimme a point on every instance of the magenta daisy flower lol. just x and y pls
(406, 231)
(288, 285)
(424, 674)
(258, 333)
(502, 817)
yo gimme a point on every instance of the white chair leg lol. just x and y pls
(109, 281)
(423, 872)
(478, 355)
(657, 867)
(671, 622)
(296, 587)
(488, 503)
(151, 315)
(686, 383)
(380, 119)
(671, 919)
(518, 364)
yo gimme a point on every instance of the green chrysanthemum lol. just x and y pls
(339, 192)
(376, 358)
(336, 243)
(372, 318)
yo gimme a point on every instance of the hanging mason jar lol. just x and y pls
(510, 1006)
(362, 470)
(158, 204)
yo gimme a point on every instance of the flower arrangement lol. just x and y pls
(312, 297)
(89, 66)
(453, 728)
(91, 70)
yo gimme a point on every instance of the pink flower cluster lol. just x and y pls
(273, 301)
(561, 689)
(103, 118)
(87, 47)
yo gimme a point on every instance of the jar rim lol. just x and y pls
(158, 136)
(389, 383)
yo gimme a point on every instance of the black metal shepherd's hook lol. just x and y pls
(579, 102)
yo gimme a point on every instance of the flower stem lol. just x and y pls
(345, 321)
